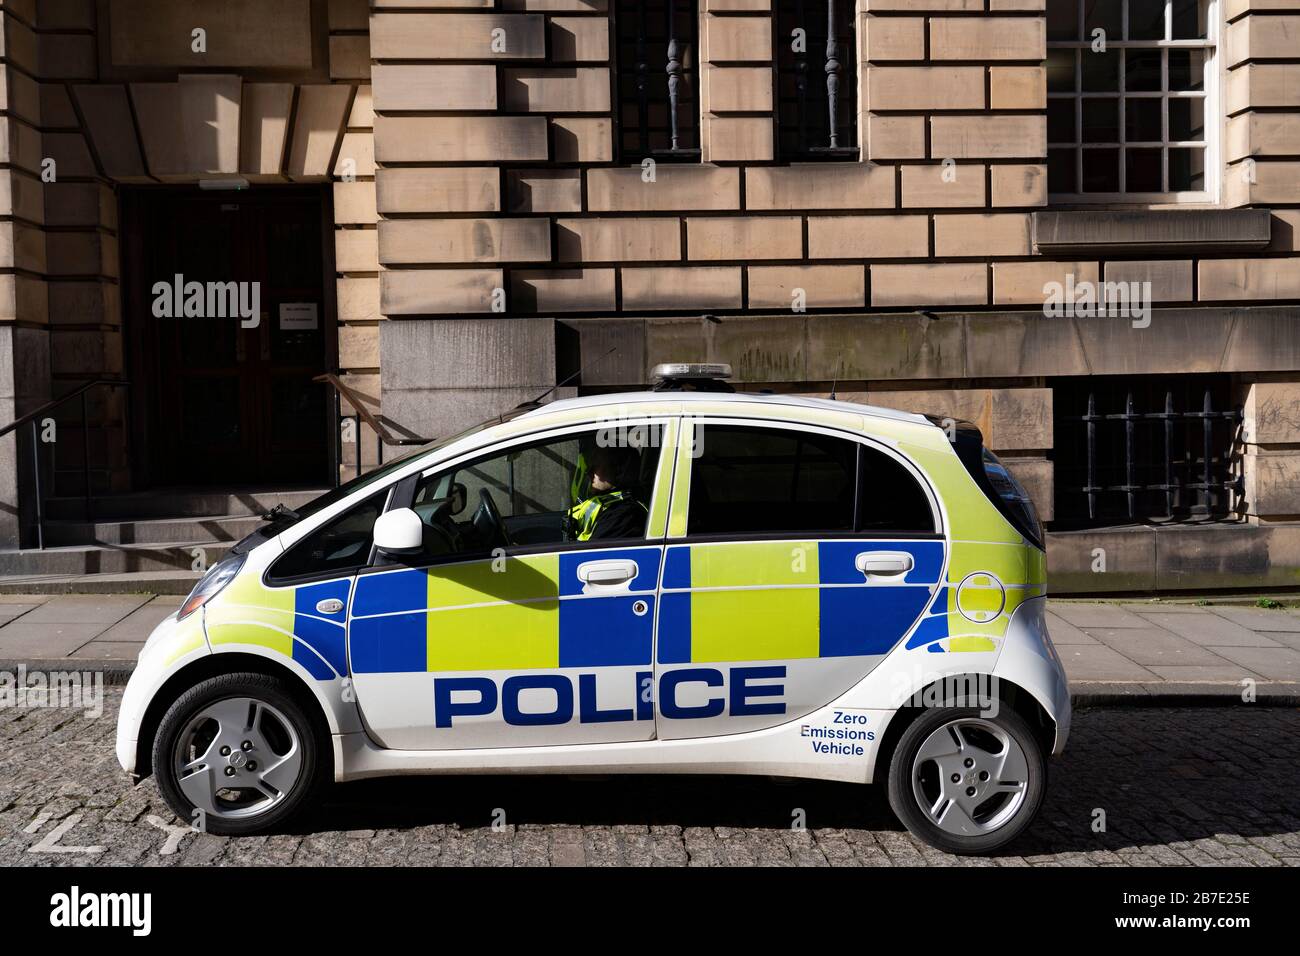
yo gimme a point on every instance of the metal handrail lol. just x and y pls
(50, 406)
(363, 414)
(33, 417)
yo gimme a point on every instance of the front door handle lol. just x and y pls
(613, 573)
(883, 563)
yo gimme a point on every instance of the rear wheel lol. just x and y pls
(237, 754)
(967, 783)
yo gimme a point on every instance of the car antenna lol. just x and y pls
(538, 400)
(834, 382)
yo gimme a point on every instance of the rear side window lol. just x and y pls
(755, 480)
(340, 546)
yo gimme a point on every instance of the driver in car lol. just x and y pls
(612, 508)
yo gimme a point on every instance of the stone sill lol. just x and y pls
(1115, 231)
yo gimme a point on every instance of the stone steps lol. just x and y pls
(87, 559)
(130, 582)
(176, 503)
(151, 540)
(211, 528)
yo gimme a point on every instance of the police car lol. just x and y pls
(681, 580)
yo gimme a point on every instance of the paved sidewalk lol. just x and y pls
(79, 629)
(1111, 650)
(1167, 650)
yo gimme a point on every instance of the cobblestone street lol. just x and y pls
(1203, 786)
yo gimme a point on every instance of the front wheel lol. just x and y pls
(967, 783)
(237, 754)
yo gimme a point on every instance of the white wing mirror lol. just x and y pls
(399, 532)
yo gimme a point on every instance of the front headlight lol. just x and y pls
(210, 585)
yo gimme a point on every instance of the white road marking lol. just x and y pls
(174, 834)
(49, 844)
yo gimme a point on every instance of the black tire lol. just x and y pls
(905, 804)
(313, 772)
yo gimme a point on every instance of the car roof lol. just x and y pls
(686, 398)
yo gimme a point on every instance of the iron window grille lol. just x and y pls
(1157, 449)
(817, 79)
(1134, 121)
(658, 98)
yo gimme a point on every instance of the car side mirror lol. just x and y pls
(399, 533)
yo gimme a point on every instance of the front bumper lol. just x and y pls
(171, 644)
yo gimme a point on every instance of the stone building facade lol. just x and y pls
(529, 193)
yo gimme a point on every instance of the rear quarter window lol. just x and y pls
(891, 499)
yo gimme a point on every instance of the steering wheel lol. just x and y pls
(488, 522)
(440, 536)
(444, 524)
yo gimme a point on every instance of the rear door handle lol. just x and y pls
(883, 563)
(609, 574)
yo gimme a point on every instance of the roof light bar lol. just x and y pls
(668, 371)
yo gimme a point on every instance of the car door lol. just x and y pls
(796, 558)
(520, 639)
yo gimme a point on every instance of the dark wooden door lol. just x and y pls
(229, 400)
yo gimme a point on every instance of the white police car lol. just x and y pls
(793, 586)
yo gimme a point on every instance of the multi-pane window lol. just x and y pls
(817, 79)
(658, 99)
(1129, 108)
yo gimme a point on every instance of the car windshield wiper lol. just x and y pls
(281, 513)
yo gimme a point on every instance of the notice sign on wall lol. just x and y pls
(297, 316)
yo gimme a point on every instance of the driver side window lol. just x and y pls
(526, 496)
(528, 481)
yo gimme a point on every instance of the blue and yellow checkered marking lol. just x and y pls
(520, 613)
(944, 629)
(724, 602)
(284, 621)
(934, 626)
(325, 634)
(604, 631)
(787, 600)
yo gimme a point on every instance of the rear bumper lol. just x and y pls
(1029, 661)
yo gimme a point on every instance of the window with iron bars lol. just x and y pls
(817, 79)
(658, 98)
(1151, 449)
